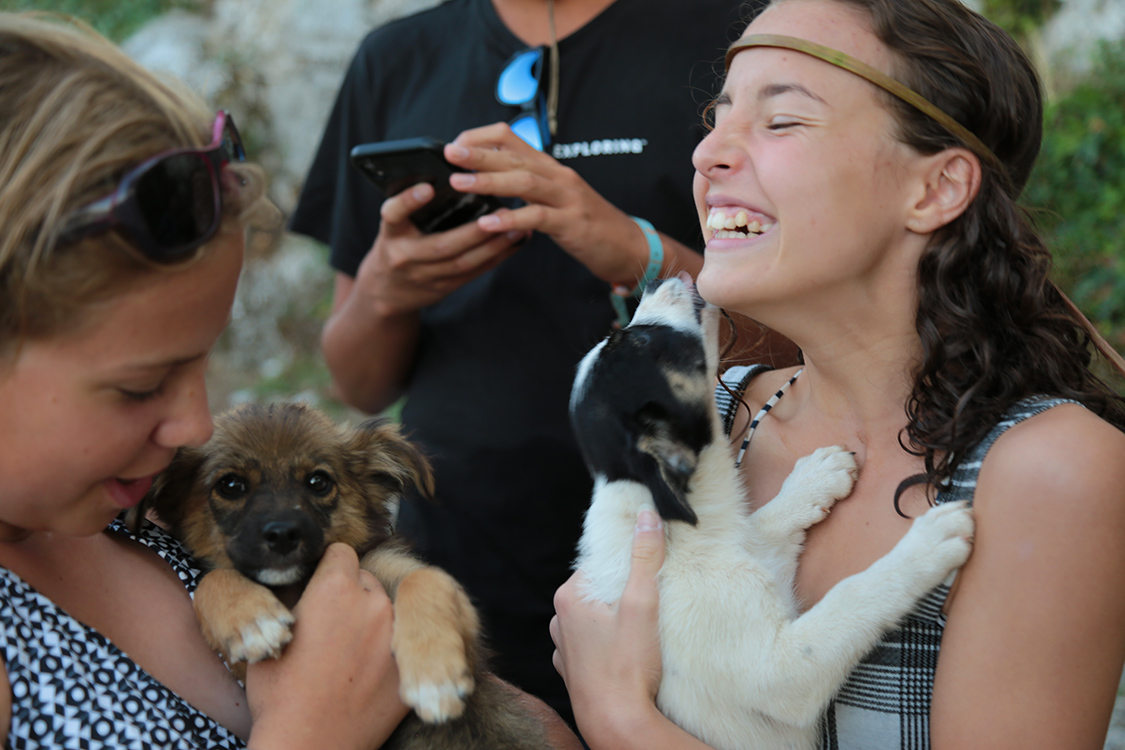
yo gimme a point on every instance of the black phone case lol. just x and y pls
(395, 166)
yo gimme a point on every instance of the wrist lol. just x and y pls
(381, 304)
(653, 266)
(620, 724)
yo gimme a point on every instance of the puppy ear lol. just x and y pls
(391, 459)
(671, 464)
(167, 498)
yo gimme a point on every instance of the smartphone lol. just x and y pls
(395, 166)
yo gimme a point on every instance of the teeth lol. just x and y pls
(739, 225)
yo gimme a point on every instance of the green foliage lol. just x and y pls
(1019, 17)
(1078, 191)
(116, 19)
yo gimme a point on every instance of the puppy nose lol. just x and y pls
(282, 537)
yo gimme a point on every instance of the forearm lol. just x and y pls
(679, 257)
(368, 352)
(300, 729)
(611, 726)
(629, 244)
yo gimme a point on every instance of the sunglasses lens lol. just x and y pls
(519, 81)
(527, 127)
(177, 200)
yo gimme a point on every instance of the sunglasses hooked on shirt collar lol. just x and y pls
(520, 85)
(168, 205)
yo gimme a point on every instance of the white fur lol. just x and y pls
(741, 669)
(438, 702)
(263, 638)
(280, 577)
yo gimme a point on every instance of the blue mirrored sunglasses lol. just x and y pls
(519, 86)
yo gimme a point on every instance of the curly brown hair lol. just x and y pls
(994, 328)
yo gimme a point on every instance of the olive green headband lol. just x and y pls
(875, 76)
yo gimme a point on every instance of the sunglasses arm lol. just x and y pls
(89, 220)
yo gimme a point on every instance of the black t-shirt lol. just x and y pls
(487, 397)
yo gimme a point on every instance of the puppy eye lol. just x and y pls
(319, 483)
(232, 486)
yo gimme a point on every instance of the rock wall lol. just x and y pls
(276, 65)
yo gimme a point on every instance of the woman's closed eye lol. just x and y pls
(141, 395)
(140, 390)
(782, 124)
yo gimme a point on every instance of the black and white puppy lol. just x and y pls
(742, 668)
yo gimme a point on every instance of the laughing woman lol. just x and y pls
(880, 146)
(123, 203)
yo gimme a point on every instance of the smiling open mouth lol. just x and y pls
(735, 224)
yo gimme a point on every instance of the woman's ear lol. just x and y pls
(950, 180)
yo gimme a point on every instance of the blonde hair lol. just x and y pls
(76, 114)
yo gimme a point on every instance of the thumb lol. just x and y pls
(648, 553)
(338, 560)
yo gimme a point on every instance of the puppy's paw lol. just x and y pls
(435, 676)
(434, 637)
(939, 541)
(251, 626)
(262, 638)
(819, 479)
(436, 701)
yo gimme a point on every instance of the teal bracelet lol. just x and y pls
(652, 270)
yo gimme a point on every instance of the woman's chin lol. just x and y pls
(716, 287)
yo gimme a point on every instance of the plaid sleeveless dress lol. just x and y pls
(72, 688)
(885, 702)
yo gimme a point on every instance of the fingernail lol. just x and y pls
(462, 179)
(490, 221)
(647, 521)
(420, 192)
(457, 152)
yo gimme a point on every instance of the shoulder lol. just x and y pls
(1052, 491)
(1037, 612)
(1059, 457)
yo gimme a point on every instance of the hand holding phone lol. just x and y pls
(397, 165)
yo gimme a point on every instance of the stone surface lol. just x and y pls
(276, 65)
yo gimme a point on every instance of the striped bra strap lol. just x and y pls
(761, 415)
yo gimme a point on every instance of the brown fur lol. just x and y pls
(257, 506)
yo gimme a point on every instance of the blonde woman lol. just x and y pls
(123, 203)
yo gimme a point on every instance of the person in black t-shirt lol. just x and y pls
(481, 327)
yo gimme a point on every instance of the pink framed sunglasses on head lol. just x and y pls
(168, 205)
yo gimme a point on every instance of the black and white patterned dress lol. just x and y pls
(885, 703)
(72, 688)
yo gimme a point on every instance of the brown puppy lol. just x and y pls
(257, 506)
